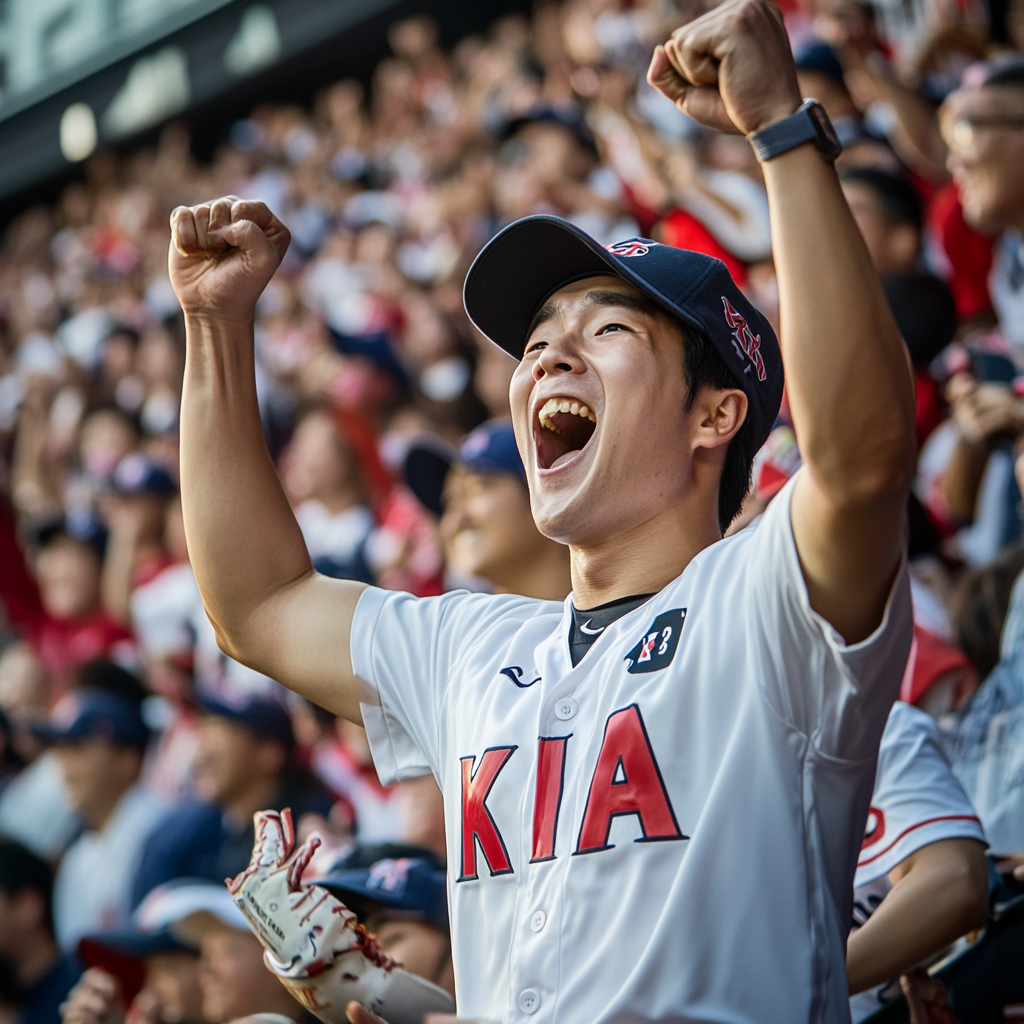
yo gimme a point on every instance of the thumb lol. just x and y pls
(275, 838)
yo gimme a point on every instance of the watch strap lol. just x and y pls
(800, 127)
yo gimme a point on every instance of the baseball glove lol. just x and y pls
(315, 944)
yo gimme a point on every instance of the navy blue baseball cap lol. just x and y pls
(262, 714)
(412, 885)
(527, 262)
(95, 714)
(489, 449)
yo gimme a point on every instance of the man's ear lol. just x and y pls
(717, 416)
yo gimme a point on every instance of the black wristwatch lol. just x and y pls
(810, 123)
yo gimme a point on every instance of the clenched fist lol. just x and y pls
(222, 255)
(731, 69)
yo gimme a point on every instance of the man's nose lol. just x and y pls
(560, 356)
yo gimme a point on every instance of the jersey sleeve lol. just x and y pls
(917, 799)
(835, 693)
(406, 648)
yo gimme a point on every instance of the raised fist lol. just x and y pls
(731, 69)
(314, 944)
(222, 255)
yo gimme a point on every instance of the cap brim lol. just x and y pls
(524, 264)
(138, 944)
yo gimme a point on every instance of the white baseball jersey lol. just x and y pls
(917, 801)
(667, 831)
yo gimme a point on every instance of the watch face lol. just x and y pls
(828, 140)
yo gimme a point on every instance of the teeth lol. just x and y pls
(557, 405)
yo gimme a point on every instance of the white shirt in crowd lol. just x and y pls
(917, 801)
(338, 536)
(92, 890)
(669, 829)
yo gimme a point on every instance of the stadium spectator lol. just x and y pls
(243, 764)
(100, 737)
(44, 974)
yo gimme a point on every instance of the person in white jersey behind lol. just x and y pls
(714, 746)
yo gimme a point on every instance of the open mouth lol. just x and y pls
(564, 427)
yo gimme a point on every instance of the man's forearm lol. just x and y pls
(243, 540)
(847, 371)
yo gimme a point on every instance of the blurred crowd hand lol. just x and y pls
(731, 69)
(96, 999)
(360, 1015)
(222, 256)
(984, 413)
(927, 999)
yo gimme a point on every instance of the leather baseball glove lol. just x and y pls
(314, 943)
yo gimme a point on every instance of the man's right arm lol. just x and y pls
(270, 610)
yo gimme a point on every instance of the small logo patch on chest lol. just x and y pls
(657, 647)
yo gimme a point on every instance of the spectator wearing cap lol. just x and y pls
(233, 979)
(323, 483)
(58, 609)
(479, 491)
(146, 963)
(44, 974)
(820, 74)
(100, 739)
(135, 513)
(243, 764)
(983, 125)
(403, 900)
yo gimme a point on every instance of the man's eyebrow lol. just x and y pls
(599, 297)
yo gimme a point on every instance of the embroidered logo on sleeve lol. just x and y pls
(657, 647)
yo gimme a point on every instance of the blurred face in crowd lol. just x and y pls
(831, 94)
(22, 914)
(234, 980)
(984, 129)
(893, 244)
(487, 528)
(418, 946)
(601, 346)
(230, 759)
(172, 980)
(318, 464)
(106, 438)
(96, 774)
(68, 572)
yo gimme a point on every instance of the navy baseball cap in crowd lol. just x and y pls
(138, 474)
(489, 449)
(820, 58)
(528, 261)
(95, 714)
(413, 885)
(262, 714)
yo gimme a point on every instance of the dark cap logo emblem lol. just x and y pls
(746, 343)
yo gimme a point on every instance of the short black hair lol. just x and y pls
(704, 367)
(924, 310)
(895, 194)
(21, 869)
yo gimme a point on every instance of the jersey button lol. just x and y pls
(538, 921)
(529, 1000)
(566, 708)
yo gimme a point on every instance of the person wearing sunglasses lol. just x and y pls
(983, 126)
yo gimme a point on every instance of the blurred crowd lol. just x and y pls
(133, 753)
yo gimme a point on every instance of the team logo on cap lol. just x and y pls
(746, 343)
(631, 248)
(389, 875)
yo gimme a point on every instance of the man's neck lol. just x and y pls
(337, 502)
(645, 559)
(36, 954)
(100, 817)
(545, 578)
(257, 796)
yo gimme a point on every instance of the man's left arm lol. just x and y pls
(848, 375)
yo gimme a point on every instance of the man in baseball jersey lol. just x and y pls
(657, 817)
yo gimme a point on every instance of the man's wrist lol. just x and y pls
(784, 110)
(206, 320)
